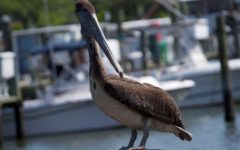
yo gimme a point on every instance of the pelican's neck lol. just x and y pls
(97, 70)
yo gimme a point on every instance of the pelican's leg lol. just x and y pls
(133, 138)
(146, 123)
(145, 132)
(131, 141)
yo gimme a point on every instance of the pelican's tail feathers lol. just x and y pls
(183, 134)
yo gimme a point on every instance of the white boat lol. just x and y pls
(208, 83)
(75, 111)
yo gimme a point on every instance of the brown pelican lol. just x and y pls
(133, 104)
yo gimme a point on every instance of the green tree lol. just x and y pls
(131, 8)
(28, 13)
(32, 12)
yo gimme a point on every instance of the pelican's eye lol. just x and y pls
(80, 7)
(84, 9)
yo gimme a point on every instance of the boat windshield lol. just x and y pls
(188, 50)
(166, 46)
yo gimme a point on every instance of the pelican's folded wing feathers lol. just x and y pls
(145, 98)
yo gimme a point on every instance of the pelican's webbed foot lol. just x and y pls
(131, 141)
(124, 148)
(137, 148)
(132, 148)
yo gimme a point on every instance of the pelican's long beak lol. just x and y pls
(90, 28)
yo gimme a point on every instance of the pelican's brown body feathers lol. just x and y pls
(145, 98)
(148, 100)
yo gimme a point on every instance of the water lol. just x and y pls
(207, 125)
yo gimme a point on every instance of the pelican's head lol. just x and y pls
(85, 4)
(90, 28)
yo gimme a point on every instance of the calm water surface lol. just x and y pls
(207, 125)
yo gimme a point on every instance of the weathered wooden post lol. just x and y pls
(12, 96)
(175, 19)
(226, 83)
(144, 49)
(121, 17)
(5, 27)
(20, 135)
(1, 133)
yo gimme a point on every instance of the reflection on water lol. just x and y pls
(207, 125)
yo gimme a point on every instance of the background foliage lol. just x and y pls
(31, 13)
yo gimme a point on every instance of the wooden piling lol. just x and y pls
(175, 19)
(121, 17)
(226, 83)
(1, 133)
(144, 49)
(6, 32)
(14, 100)
(20, 135)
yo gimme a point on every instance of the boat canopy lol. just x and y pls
(59, 47)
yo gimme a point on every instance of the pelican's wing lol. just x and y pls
(145, 98)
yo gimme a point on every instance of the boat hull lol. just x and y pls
(208, 83)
